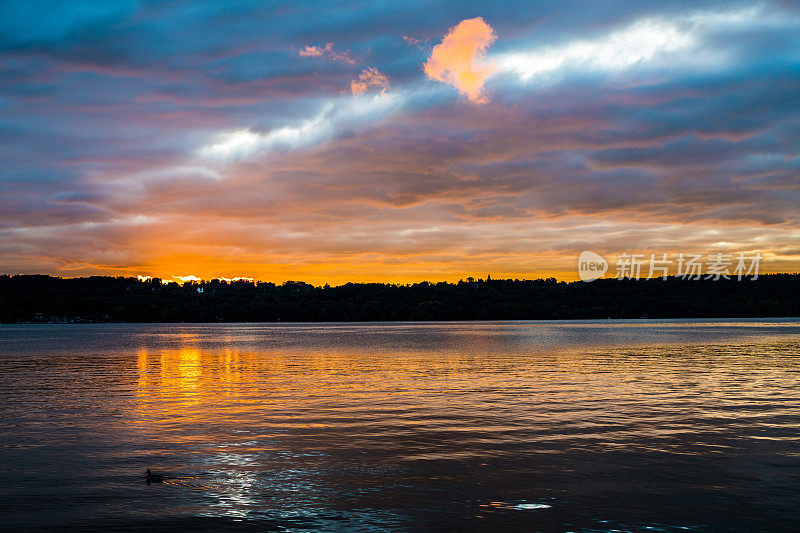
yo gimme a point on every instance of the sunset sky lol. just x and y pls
(394, 141)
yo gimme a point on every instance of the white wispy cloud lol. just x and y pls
(638, 43)
(648, 43)
(335, 114)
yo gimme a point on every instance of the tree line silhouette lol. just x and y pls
(40, 298)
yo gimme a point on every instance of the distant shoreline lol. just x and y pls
(696, 320)
(47, 299)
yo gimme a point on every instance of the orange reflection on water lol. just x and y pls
(271, 381)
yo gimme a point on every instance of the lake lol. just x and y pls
(640, 425)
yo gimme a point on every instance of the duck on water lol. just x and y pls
(153, 478)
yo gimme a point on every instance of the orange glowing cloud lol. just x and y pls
(460, 59)
(369, 77)
(328, 51)
(412, 41)
(315, 51)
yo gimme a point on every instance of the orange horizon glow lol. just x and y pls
(185, 269)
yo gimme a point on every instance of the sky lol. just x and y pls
(394, 141)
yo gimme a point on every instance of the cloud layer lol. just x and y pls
(637, 128)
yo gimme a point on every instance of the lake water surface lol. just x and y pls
(468, 426)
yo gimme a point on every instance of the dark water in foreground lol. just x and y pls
(501, 426)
